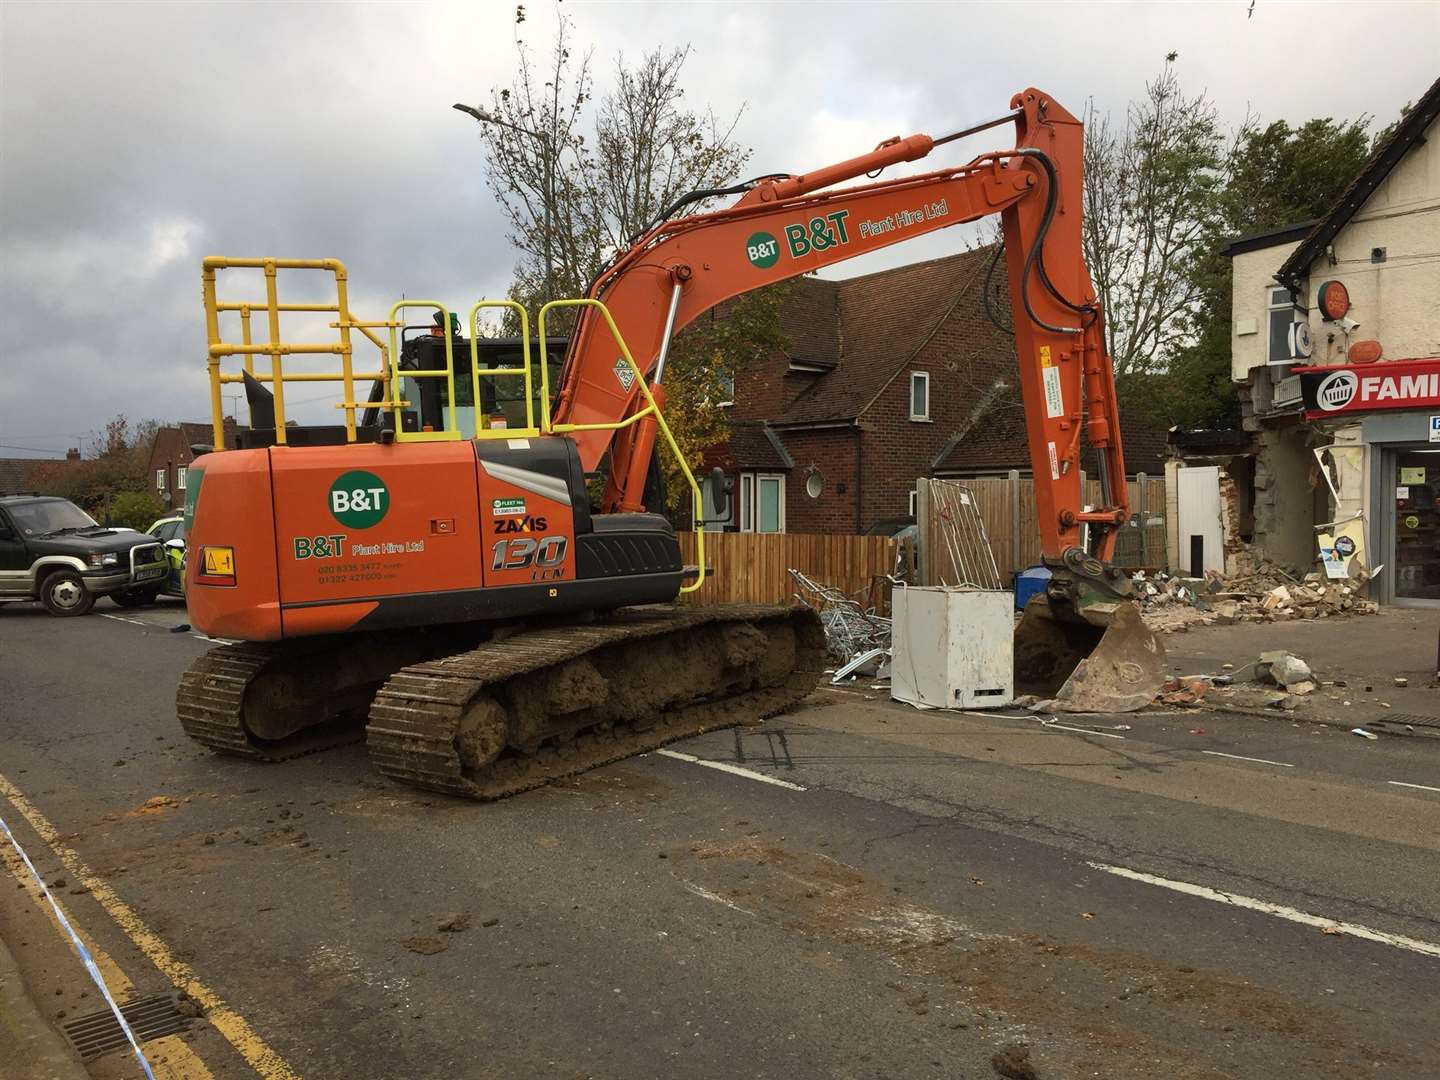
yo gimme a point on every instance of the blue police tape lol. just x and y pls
(84, 952)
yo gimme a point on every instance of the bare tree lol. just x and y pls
(646, 149)
(1151, 192)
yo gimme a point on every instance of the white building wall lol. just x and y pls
(1396, 302)
(1254, 277)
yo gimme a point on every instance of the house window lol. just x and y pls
(919, 395)
(727, 391)
(1281, 314)
(762, 502)
(180, 478)
(159, 479)
(913, 496)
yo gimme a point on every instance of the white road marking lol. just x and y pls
(724, 766)
(122, 618)
(1425, 948)
(157, 626)
(1242, 757)
(716, 898)
(1081, 730)
(1422, 787)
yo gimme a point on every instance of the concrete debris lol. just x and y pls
(1284, 669)
(1364, 734)
(1186, 690)
(1173, 604)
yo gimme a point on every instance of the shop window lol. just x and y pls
(1417, 525)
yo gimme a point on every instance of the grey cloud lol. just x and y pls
(136, 138)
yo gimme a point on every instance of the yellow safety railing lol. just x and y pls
(276, 349)
(390, 372)
(482, 425)
(651, 409)
(452, 429)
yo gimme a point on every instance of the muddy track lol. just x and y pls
(210, 700)
(418, 720)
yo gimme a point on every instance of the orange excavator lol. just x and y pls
(435, 562)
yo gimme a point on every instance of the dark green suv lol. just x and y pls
(54, 552)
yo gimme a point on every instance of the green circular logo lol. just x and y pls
(359, 499)
(763, 250)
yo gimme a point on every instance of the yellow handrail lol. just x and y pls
(652, 408)
(276, 349)
(452, 429)
(476, 373)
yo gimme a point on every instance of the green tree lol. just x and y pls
(1150, 194)
(134, 510)
(1275, 175)
(117, 462)
(595, 192)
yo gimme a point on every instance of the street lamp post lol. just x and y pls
(547, 166)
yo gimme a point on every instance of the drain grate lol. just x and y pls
(1430, 725)
(149, 1017)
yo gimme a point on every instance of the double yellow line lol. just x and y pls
(180, 1061)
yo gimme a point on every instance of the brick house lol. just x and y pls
(888, 377)
(170, 456)
(17, 475)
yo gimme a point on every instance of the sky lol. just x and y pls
(136, 138)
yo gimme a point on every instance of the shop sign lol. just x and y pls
(1435, 429)
(1399, 384)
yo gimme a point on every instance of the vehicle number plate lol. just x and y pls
(151, 572)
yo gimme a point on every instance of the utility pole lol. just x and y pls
(547, 166)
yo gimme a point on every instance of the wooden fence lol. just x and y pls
(753, 568)
(1007, 506)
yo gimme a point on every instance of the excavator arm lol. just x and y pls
(1082, 643)
(784, 227)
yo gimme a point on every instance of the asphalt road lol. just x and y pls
(918, 891)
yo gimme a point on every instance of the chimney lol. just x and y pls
(73, 454)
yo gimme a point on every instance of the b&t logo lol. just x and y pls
(359, 499)
(1337, 390)
(762, 250)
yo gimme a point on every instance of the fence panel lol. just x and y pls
(753, 568)
(1007, 505)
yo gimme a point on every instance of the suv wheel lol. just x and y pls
(132, 598)
(64, 593)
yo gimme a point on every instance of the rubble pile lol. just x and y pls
(1271, 593)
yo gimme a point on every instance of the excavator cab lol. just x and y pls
(502, 402)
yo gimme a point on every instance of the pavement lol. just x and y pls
(31, 1047)
(856, 889)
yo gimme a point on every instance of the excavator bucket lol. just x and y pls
(1093, 657)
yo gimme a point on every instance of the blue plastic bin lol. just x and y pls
(1028, 583)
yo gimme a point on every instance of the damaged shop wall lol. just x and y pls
(1237, 514)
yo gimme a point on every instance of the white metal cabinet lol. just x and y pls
(952, 648)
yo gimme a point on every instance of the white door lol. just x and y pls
(1201, 546)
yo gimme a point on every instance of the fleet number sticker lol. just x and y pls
(500, 507)
(1054, 398)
